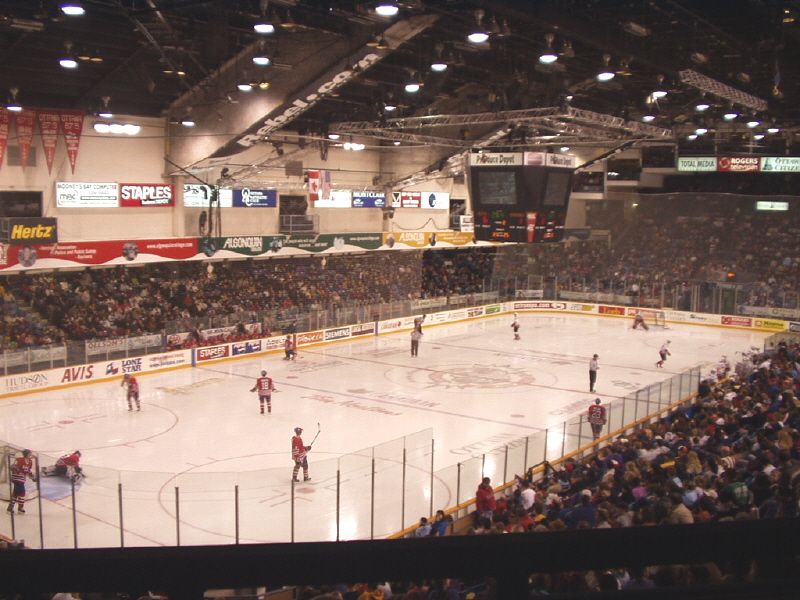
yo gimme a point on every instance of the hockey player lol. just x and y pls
(638, 321)
(299, 455)
(663, 352)
(597, 418)
(20, 471)
(265, 387)
(132, 391)
(66, 466)
(289, 348)
(515, 327)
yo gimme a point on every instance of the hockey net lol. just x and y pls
(653, 318)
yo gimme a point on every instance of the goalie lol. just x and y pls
(638, 321)
(66, 466)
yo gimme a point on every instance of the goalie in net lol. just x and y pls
(645, 319)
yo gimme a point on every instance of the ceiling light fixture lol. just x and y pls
(389, 107)
(264, 28)
(691, 137)
(262, 60)
(67, 60)
(660, 91)
(12, 104)
(387, 9)
(702, 107)
(413, 84)
(773, 130)
(104, 112)
(606, 74)
(548, 57)
(333, 136)
(730, 116)
(245, 87)
(758, 137)
(438, 64)
(649, 118)
(478, 35)
(396, 142)
(564, 148)
(753, 123)
(701, 131)
(72, 9)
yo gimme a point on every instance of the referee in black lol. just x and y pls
(593, 372)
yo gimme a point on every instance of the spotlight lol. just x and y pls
(564, 148)
(730, 116)
(102, 127)
(396, 142)
(387, 9)
(188, 121)
(660, 91)
(131, 129)
(758, 137)
(388, 107)
(12, 105)
(648, 118)
(752, 124)
(438, 66)
(67, 60)
(658, 94)
(333, 136)
(104, 112)
(702, 107)
(701, 131)
(773, 130)
(245, 87)
(691, 137)
(413, 85)
(262, 60)
(72, 9)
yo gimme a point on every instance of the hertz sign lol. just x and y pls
(32, 231)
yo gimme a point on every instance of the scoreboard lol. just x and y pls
(520, 197)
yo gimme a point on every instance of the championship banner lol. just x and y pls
(48, 129)
(3, 134)
(52, 256)
(25, 123)
(72, 126)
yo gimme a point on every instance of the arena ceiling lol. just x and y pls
(186, 58)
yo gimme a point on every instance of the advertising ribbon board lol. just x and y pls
(146, 194)
(251, 198)
(73, 194)
(367, 199)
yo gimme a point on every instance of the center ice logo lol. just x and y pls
(479, 376)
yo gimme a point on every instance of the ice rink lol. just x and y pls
(472, 388)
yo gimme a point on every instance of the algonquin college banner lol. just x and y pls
(75, 254)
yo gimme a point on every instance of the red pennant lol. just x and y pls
(48, 129)
(72, 125)
(3, 133)
(25, 123)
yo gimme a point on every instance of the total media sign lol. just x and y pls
(696, 164)
(250, 198)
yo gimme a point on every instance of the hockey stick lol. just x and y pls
(319, 429)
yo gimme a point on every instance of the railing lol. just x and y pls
(299, 224)
(367, 494)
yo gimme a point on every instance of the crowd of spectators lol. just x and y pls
(731, 454)
(666, 249)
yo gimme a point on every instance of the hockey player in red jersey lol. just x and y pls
(638, 321)
(597, 418)
(299, 455)
(66, 466)
(21, 469)
(289, 348)
(265, 387)
(132, 391)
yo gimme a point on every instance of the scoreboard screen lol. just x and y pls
(524, 227)
(497, 187)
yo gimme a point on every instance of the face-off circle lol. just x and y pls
(476, 376)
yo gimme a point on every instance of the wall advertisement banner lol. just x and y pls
(248, 347)
(199, 195)
(335, 199)
(74, 194)
(334, 242)
(770, 324)
(310, 337)
(28, 230)
(794, 327)
(50, 256)
(212, 352)
(697, 164)
(541, 305)
(780, 164)
(337, 333)
(251, 198)
(363, 329)
(367, 199)
(146, 194)
(739, 164)
(737, 321)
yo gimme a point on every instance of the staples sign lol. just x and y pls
(212, 353)
(146, 194)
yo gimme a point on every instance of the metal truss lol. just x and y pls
(721, 90)
(484, 118)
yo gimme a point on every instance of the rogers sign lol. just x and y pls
(739, 163)
(146, 194)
